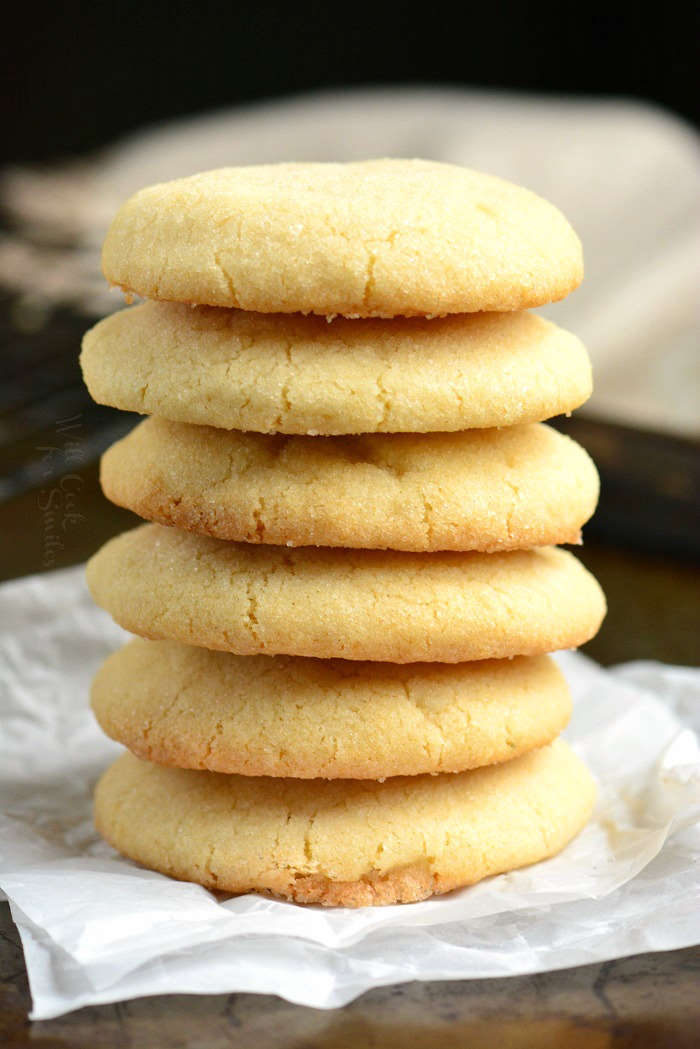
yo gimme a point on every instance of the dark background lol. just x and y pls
(80, 74)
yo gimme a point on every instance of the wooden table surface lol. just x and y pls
(647, 1001)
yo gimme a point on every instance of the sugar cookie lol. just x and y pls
(478, 490)
(284, 373)
(347, 843)
(164, 583)
(308, 718)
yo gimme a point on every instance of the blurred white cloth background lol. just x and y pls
(627, 176)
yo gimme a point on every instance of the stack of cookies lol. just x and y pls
(340, 693)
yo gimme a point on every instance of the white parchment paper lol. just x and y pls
(97, 928)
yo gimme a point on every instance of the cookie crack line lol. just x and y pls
(385, 403)
(251, 618)
(369, 281)
(228, 279)
(427, 517)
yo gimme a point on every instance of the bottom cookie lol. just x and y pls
(347, 843)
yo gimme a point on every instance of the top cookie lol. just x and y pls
(380, 238)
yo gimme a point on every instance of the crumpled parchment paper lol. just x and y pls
(97, 928)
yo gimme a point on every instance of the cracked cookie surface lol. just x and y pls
(378, 238)
(483, 490)
(347, 843)
(188, 707)
(164, 583)
(285, 373)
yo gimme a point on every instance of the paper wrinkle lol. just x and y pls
(97, 928)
